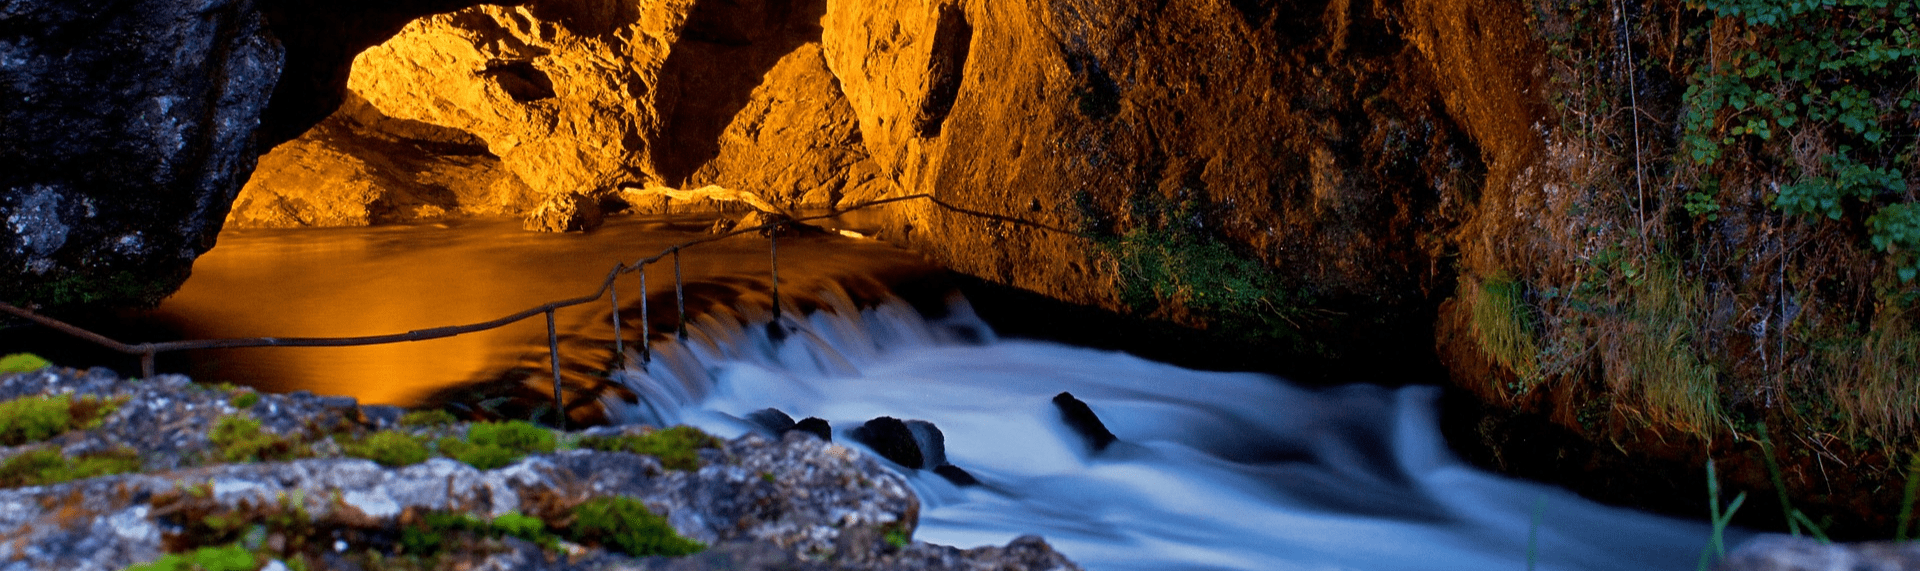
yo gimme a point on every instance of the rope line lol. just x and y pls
(148, 351)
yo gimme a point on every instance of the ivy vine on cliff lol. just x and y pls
(1839, 81)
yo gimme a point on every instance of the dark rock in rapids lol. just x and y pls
(771, 419)
(1081, 419)
(956, 475)
(891, 439)
(815, 426)
(932, 444)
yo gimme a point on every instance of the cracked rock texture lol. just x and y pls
(796, 503)
(119, 158)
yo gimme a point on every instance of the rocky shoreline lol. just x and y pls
(754, 503)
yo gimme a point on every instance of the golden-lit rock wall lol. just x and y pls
(1312, 137)
(560, 91)
(358, 167)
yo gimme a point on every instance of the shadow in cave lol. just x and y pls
(725, 50)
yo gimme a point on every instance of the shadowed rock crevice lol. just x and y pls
(946, 66)
(521, 80)
(726, 50)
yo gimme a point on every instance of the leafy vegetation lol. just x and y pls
(624, 524)
(677, 448)
(1168, 263)
(1839, 79)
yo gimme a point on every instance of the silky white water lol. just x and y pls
(1212, 471)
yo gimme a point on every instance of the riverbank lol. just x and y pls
(190, 473)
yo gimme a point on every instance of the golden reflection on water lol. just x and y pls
(341, 282)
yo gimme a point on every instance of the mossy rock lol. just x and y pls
(37, 418)
(625, 524)
(389, 448)
(22, 363)
(47, 465)
(677, 448)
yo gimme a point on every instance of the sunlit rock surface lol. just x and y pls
(1313, 138)
(795, 142)
(123, 138)
(562, 92)
(359, 167)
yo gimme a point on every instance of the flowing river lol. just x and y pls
(1211, 470)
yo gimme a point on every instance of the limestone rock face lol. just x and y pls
(796, 142)
(124, 136)
(560, 90)
(1312, 138)
(359, 167)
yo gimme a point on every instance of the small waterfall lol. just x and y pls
(1210, 470)
(835, 338)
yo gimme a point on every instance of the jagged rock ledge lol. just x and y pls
(795, 503)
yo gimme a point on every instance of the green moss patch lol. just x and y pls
(430, 417)
(231, 557)
(240, 439)
(677, 448)
(625, 524)
(47, 465)
(22, 363)
(389, 448)
(492, 445)
(435, 531)
(33, 419)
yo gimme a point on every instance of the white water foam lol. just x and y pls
(1212, 470)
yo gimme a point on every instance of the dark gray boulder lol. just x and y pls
(127, 130)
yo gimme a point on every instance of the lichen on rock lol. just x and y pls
(794, 503)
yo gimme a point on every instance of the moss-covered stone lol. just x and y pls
(47, 465)
(22, 363)
(33, 419)
(389, 448)
(677, 448)
(625, 524)
(240, 439)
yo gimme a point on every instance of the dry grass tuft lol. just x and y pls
(1878, 382)
(1505, 326)
(1648, 355)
